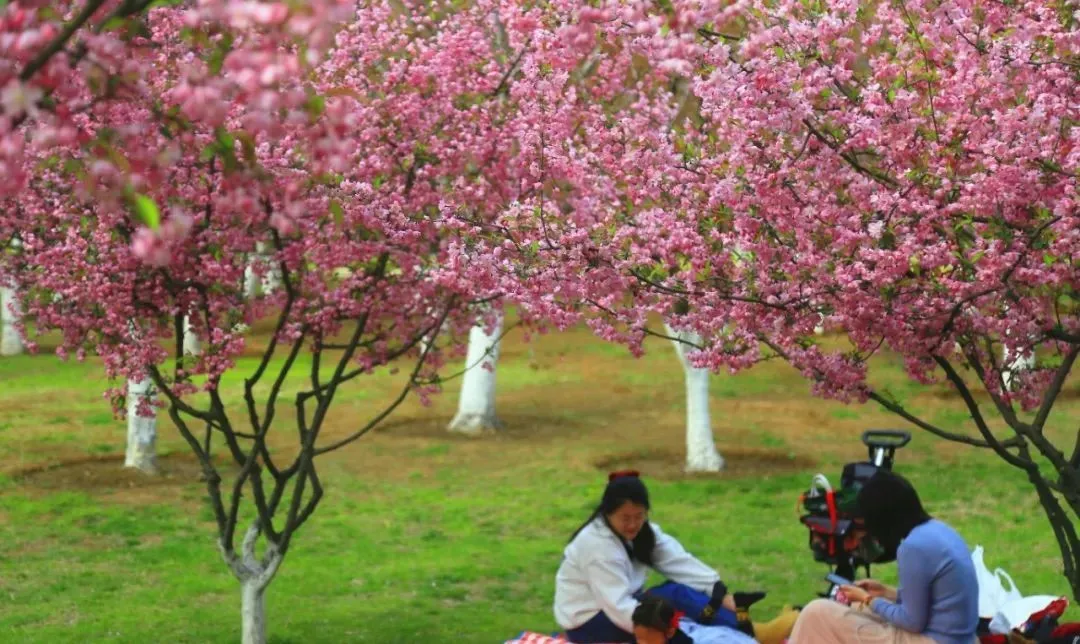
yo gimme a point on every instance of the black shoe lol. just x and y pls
(743, 602)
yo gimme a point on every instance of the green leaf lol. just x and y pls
(315, 106)
(226, 149)
(146, 211)
(337, 212)
(112, 24)
(914, 265)
(217, 57)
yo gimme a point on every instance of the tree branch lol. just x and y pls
(876, 175)
(1054, 389)
(976, 415)
(936, 431)
(1064, 336)
(393, 404)
(60, 40)
(487, 352)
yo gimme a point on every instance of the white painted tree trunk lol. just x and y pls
(142, 431)
(701, 453)
(192, 346)
(255, 575)
(11, 343)
(1016, 364)
(250, 280)
(271, 279)
(253, 611)
(476, 404)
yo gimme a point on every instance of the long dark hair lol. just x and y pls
(623, 487)
(890, 508)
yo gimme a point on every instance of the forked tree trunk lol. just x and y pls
(701, 453)
(254, 574)
(476, 404)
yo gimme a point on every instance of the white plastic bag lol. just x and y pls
(1013, 614)
(992, 592)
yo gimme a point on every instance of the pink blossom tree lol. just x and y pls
(371, 154)
(904, 173)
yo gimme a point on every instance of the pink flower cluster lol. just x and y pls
(751, 170)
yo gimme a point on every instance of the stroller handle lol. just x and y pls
(883, 444)
(894, 438)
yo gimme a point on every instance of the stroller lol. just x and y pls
(837, 534)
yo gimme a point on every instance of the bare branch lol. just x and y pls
(487, 352)
(976, 415)
(393, 404)
(657, 334)
(1054, 389)
(922, 424)
(505, 80)
(1064, 336)
(60, 40)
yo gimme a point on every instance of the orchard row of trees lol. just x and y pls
(902, 172)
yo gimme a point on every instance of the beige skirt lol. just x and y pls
(827, 622)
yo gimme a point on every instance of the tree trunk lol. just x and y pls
(11, 343)
(253, 611)
(142, 431)
(701, 454)
(1064, 530)
(192, 346)
(476, 404)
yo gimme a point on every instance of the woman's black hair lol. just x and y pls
(890, 508)
(654, 612)
(623, 487)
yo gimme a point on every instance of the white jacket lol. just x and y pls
(597, 575)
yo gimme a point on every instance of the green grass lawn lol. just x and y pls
(425, 537)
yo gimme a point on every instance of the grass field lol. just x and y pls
(427, 537)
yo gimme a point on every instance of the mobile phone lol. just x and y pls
(837, 580)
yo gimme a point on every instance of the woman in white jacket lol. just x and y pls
(604, 567)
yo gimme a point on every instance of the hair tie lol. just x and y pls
(623, 473)
(675, 619)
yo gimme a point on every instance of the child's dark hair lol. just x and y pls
(623, 487)
(654, 612)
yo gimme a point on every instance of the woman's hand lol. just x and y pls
(856, 595)
(875, 588)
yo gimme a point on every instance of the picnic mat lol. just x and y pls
(536, 638)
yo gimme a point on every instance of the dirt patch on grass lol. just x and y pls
(738, 463)
(106, 472)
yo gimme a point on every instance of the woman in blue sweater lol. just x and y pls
(937, 601)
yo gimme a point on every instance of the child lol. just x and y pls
(657, 622)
